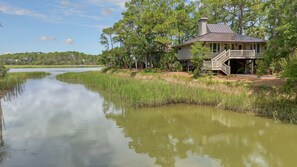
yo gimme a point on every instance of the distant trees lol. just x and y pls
(52, 58)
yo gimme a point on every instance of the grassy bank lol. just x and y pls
(152, 89)
(12, 80)
(156, 92)
(51, 66)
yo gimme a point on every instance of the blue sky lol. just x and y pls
(56, 25)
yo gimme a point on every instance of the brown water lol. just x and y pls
(55, 124)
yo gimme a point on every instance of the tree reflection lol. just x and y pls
(171, 133)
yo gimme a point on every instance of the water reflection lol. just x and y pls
(14, 93)
(181, 134)
(53, 124)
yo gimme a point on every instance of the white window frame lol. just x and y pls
(216, 49)
(256, 47)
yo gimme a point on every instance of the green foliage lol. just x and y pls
(282, 27)
(3, 71)
(291, 74)
(169, 62)
(243, 16)
(199, 53)
(52, 58)
(116, 57)
(148, 29)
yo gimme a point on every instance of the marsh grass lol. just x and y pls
(155, 92)
(13, 79)
(237, 96)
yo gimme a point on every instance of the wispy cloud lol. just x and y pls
(120, 3)
(96, 27)
(12, 10)
(68, 8)
(69, 41)
(107, 11)
(68, 3)
(47, 38)
(20, 12)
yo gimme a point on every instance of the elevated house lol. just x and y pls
(230, 53)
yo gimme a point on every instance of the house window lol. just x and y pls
(256, 47)
(215, 47)
(229, 46)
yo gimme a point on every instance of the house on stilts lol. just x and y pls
(230, 53)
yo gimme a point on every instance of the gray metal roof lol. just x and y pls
(222, 37)
(218, 28)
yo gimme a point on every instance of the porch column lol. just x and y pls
(253, 72)
(245, 66)
(188, 65)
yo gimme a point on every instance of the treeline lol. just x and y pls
(144, 37)
(52, 58)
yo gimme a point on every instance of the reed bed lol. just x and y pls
(13, 79)
(139, 93)
(133, 92)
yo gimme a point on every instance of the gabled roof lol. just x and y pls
(222, 37)
(218, 28)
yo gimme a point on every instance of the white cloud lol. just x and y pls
(67, 3)
(47, 38)
(69, 41)
(20, 12)
(107, 11)
(120, 3)
(68, 8)
(12, 10)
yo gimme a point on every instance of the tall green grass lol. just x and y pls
(137, 93)
(14, 79)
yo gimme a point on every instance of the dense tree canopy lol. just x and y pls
(53, 58)
(149, 28)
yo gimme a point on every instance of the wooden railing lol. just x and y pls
(218, 62)
(207, 65)
(241, 54)
(219, 56)
(226, 69)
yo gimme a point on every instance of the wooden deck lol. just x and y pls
(217, 63)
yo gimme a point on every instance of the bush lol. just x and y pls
(199, 53)
(3, 71)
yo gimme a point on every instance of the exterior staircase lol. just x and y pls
(217, 63)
